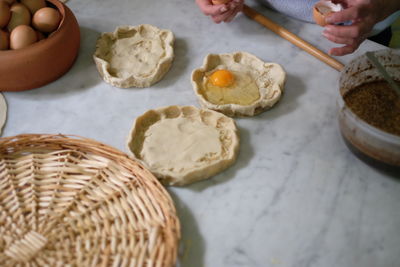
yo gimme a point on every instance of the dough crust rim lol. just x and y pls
(262, 104)
(133, 81)
(209, 117)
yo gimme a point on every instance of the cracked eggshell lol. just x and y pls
(322, 9)
(220, 2)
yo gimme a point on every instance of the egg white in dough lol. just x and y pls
(243, 91)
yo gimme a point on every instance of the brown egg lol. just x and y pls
(22, 36)
(4, 40)
(9, 2)
(322, 9)
(46, 19)
(20, 15)
(5, 13)
(34, 5)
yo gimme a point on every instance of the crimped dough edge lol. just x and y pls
(136, 138)
(162, 67)
(265, 101)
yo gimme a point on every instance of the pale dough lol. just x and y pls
(3, 112)
(184, 144)
(191, 141)
(134, 56)
(258, 85)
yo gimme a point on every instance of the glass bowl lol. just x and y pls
(376, 145)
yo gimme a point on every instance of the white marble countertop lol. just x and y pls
(296, 196)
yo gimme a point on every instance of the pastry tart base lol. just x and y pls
(184, 144)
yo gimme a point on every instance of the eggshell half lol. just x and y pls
(322, 9)
(220, 2)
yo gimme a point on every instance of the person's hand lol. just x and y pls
(363, 15)
(220, 13)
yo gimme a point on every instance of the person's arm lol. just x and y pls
(220, 13)
(363, 14)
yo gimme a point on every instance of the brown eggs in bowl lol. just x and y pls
(42, 62)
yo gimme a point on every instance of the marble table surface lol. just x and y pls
(296, 195)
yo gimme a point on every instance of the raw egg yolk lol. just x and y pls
(222, 78)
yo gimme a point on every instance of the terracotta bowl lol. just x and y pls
(44, 61)
(370, 143)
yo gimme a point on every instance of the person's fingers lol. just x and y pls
(339, 40)
(231, 17)
(232, 5)
(222, 17)
(237, 9)
(344, 50)
(239, 2)
(343, 3)
(240, 7)
(209, 9)
(349, 14)
(228, 15)
(236, 4)
(355, 30)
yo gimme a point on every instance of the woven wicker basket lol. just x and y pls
(70, 201)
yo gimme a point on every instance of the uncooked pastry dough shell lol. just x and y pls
(134, 81)
(208, 117)
(265, 102)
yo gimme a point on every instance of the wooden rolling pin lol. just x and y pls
(293, 38)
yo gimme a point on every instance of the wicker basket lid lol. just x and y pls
(71, 201)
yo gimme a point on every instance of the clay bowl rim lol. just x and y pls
(360, 123)
(37, 45)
